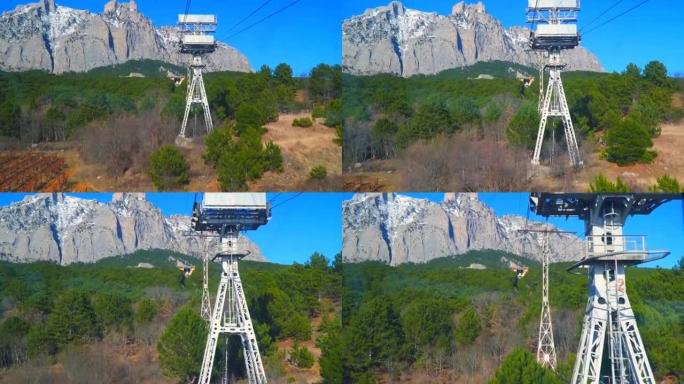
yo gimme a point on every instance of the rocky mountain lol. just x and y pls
(406, 42)
(54, 38)
(397, 229)
(66, 230)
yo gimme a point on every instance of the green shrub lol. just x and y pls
(304, 122)
(319, 111)
(627, 143)
(181, 345)
(231, 171)
(112, 310)
(318, 172)
(522, 130)
(520, 367)
(300, 357)
(246, 160)
(667, 184)
(218, 142)
(10, 115)
(146, 312)
(168, 168)
(248, 116)
(273, 157)
(469, 327)
(72, 320)
(602, 184)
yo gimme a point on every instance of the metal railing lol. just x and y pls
(615, 246)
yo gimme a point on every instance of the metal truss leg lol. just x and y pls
(640, 368)
(188, 103)
(215, 328)
(542, 123)
(253, 363)
(231, 317)
(206, 299)
(570, 137)
(590, 352)
(209, 125)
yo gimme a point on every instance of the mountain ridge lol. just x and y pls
(66, 230)
(397, 229)
(406, 42)
(58, 39)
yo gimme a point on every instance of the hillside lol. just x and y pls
(146, 68)
(474, 129)
(97, 131)
(117, 309)
(441, 323)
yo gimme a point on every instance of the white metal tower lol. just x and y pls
(226, 214)
(608, 313)
(555, 31)
(197, 39)
(206, 298)
(546, 348)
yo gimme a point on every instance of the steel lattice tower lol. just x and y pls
(555, 32)
(206, 298)
(609, 324)
(226, 214)
(546, 348)
(198, 40)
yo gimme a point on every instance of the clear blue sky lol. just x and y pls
(307, 223)
(653, 31)
(664, 228)
(303, 36)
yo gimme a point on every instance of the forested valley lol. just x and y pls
(125, 118)
(442, 322)
(136, 319)
(474, 128)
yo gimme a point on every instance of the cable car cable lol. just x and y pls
(265, 3)
(264, 19)
(615, 4)
(617, 17)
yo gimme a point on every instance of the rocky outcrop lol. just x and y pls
(397, 229)
(58, 39)
(67, 230)
(405, 42)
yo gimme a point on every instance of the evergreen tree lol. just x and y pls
(667, 184)
(168, 168)
(520, 367)
(602, 185)
(331, 345)
(283, 74)
(627, 143)
(72, 320)
(181, 345)
(469, 327)
(373, 338)
(522, 130)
